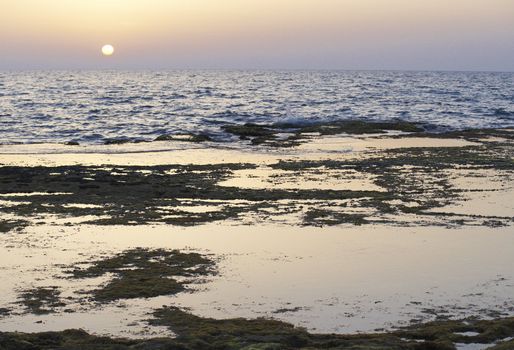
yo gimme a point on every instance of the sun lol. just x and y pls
(107, 50)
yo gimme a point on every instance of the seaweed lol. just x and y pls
(268, 333)
(193, 332)
(197, 138)
(266, 134)
(329, 217)
(4, 312)
(143, 273)
(131, 195)
(41, 300)
(119, 141)
(12, 225)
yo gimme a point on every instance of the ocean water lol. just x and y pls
(91, 107)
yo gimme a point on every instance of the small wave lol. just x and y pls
(295, 121)
(500, 112)
(92, 137)
(41, 117)
(39, 107)
(176, 96)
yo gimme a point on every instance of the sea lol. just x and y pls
(90, 107)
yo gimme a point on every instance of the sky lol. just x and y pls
(476, 35)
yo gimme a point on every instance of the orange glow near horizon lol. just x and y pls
(196, 27)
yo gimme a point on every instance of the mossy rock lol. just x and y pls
(120, 141)
(250, 130)
(144, 273)
(10, 225)
(204, 333)
(72, 143)
(42, 300)
(197, 138)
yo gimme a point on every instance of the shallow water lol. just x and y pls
(93, 106)
(341, 279)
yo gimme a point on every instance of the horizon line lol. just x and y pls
(103, 69)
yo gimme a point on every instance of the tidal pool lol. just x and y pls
(343, 279)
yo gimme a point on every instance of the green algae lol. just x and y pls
(67, 340)
(476, 135)
(131, 195)
(232, 333)
(508, 345)
(250, 130)
(330, 217)
(267, 333)
(42, 300)
(487, 332)
(410, 175)
(120, 141)
(4, 312)
(79, 339)
(267, 134)
(197, 138)
(126, 194)
(144, 273)
(12, 225)
(137, 195)
(360, 127)
(193, 332)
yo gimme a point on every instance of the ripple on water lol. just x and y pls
(44, 106)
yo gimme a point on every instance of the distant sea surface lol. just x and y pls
(90, 107)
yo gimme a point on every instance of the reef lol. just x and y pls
(41, 300)
(194, 332)
(185, 138)
(10, 225)
(408, 182)
(268, 134)
(144, 273)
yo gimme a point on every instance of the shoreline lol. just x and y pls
(328, 181)
(196, 333)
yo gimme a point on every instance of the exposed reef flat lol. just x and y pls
(143, 273)
(404, 186)
(270, 135)
(345, 175)
(41, 300)
(251, 271)
(202, 333)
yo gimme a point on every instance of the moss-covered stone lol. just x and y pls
(4, 312)
(72, 143)
(359, 127)
(143, 273)
(9, 225)
(264, 333)
(69, 340)
(42, 300)
(250, 130)
(185, 138)
(260, 134)
(204, 333)
(130, 195)
(119, 141)
(451, 331)
(329, 217)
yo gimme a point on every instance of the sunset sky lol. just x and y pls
(296, 34)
